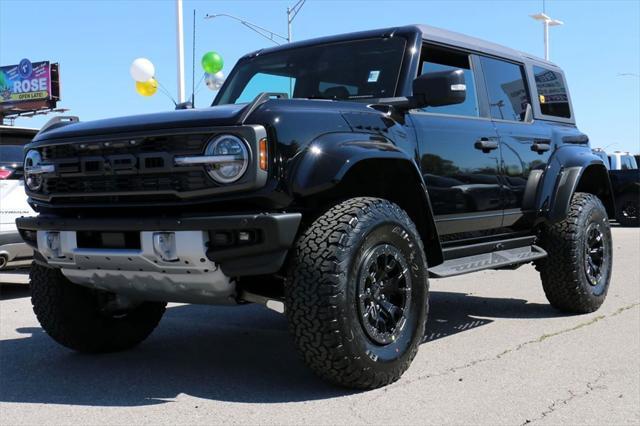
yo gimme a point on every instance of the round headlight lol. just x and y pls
(235, 161)
(32, 160)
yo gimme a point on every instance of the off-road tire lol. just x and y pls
(71, 314)
(320, 293)
(622, 206)
(564, 271)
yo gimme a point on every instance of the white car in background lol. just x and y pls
(13, 201)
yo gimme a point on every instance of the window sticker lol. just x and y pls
(373, 76)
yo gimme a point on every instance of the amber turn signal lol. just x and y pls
(263, 153)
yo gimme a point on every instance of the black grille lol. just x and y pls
(176, 144)
(87, 171)
(180, 182)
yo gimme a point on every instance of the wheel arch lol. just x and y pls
(591, 177)
(331, 172)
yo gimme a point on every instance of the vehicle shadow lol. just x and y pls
(234, 354)
(13, 291)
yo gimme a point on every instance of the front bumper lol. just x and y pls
(277, 232)
(202, 273)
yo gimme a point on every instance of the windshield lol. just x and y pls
(11, 154)
(352, 70)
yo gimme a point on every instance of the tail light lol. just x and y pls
(5, 173)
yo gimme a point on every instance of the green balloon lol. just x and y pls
(212, 62)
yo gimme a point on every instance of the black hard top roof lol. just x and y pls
(429, 33)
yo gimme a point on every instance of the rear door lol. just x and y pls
(525, 144)
(462, 178)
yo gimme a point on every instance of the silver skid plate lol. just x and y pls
(142, 274)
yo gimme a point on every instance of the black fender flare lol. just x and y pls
(572, 169)
(329, 160)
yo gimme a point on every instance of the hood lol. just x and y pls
(291, 115)
(223, 115)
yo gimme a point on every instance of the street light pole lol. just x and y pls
(180, 42)
(268, 34)
(546, 23)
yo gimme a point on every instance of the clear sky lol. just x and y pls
(95, 42)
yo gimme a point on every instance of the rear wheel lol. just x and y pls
(576, 273)
(628, 210)
(86, 320)
(357, 291)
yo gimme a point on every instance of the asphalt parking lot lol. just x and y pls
(494, 353)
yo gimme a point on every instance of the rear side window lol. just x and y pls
(552, 93)
(507, 90)
(435, 59)
(628, 162)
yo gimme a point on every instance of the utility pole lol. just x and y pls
(180, 42)
(546, 23)
(291, 14)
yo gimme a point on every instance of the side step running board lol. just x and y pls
(494, 260)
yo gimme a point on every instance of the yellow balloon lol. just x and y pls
(147, 88)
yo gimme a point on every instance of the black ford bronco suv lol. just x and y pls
(329, 180)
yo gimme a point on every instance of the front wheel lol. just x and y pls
(357, 293)
(80, 318)
(577, 271)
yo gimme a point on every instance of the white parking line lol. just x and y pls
(14, 278)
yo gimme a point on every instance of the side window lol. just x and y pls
(435, 59)
(627, 162)
(624, 164)
(552, 93)
(508, 95)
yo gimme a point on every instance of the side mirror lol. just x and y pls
(439, 88)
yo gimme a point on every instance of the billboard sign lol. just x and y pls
(28, 86)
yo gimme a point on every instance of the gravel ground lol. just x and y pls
(495, 353)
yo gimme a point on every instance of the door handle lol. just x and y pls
(486, 144)
(541, 146)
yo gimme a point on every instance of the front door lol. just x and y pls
(459, 154)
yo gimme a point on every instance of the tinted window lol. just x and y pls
(508, 95)
(352, 70)
(436, 59)
(552, 93)
(628, 162)
(624, 162)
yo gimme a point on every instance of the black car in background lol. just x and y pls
(329, 180)
(625, 181)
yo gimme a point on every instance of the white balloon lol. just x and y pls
(214, 81)
(142, 70)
